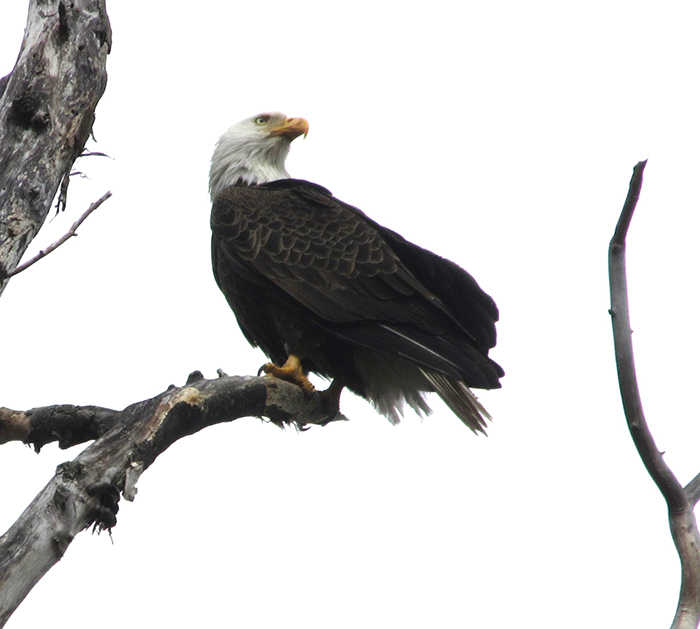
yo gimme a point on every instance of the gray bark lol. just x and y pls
(47, 108)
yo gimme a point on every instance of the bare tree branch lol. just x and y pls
(627, 375)
(47, 109)
(69, 234)
(682, 521)
(86, 491)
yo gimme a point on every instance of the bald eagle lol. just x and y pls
(322, 288)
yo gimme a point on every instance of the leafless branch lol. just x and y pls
(69, 234)
(86, 491)
(680, 501)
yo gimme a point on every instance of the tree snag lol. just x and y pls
(680, 500)
(47, 108)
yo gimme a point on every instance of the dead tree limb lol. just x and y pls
(47, 109)
(680, 500)
(85, 492)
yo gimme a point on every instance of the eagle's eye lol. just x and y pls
(260, 120)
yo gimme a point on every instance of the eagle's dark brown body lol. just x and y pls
(308, 275)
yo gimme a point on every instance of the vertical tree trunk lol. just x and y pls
(47, 108)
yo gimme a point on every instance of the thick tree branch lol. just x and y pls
(85, 492)
(682, 521)
(47, 109)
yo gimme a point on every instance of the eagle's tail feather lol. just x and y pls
(460, 399)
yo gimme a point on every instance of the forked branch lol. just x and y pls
(86, 491)
(680, 500)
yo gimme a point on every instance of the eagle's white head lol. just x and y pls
(253, 151)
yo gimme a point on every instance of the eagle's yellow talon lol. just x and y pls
(292, 372)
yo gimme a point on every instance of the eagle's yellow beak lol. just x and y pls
(291, 128)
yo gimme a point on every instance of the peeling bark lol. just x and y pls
(47, 109)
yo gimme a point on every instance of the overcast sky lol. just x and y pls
(501, 135)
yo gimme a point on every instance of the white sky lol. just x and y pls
(519, 122)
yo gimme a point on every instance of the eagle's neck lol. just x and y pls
(239, 161)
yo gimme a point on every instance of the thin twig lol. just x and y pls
(684, 528)
(622, 331)
(69, 234)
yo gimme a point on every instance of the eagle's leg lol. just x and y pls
(292, 372)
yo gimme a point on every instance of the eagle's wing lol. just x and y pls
(349, 271)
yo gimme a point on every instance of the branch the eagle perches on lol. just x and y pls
(85, 492)
(680, 500)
